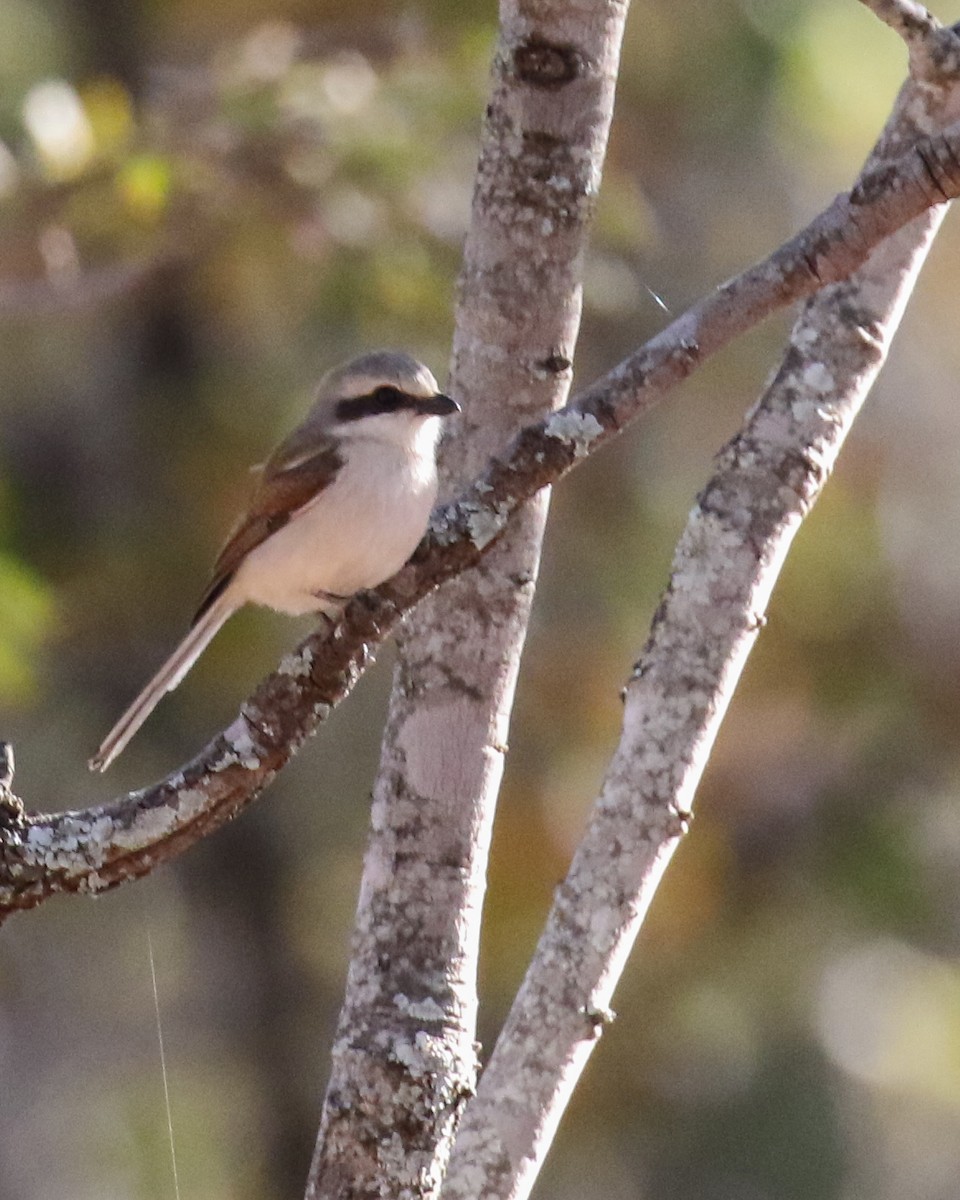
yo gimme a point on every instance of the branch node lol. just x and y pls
(599, 1017)
(934, 48)
(544, 64)
(915, 24)
(556, 363)
(935, 58)
(679, 822)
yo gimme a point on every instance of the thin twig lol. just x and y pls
(934, 48)
(911, 21)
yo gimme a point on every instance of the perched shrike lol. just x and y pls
(339, 506)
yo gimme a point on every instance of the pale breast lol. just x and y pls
(354, 535)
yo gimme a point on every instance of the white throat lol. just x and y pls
(413, 434)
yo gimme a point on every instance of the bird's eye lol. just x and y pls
(388, 399)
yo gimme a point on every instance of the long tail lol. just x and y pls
(165, 680)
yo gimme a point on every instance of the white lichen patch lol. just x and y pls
(604, 923)
(78, 845)
(409, 1056)
(817, 378)
(475, 1148)
(805, 337)
(191, 802)
(297, 664)
(423, 1055)
(70, 846)
(808, 412)
(444, 524)
(484, 524)
(151, 825)
(576, 428)
(99, 831)
(429, 1046)
(229, 758)
(422, 1010)
(241, 747)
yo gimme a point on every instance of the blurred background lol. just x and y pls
(202, 206)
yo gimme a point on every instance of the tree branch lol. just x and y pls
(726, 564)
(92, 849)
(914, 23)
(404, 1059)
(934, 49)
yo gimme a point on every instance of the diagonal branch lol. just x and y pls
(934, 48)
(765, 482)
(915, 24)
(93, 849)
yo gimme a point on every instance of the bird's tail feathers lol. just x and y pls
(165, 680)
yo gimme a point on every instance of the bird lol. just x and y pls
(338, 507)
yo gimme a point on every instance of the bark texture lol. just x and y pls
(728, 559)
(90, 850)
(404, 1059)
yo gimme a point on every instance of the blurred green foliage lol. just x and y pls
(25, 621)
(204, 205)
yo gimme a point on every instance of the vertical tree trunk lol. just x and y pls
(404, 1058)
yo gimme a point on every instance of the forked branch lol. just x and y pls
(93, 849)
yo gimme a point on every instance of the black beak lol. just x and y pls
(438, 406)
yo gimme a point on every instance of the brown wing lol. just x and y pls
(286, 482)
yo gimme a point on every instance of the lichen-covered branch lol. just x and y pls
(728, 559)
(912, 21)
(404, 1058)
(92, 849)
(934, 48)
